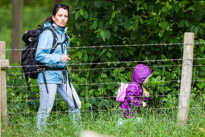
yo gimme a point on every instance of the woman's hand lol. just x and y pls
(65, 58)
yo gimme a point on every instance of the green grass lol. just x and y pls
(156, 123)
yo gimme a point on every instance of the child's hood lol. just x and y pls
(140, 73)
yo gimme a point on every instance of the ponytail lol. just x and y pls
(49, 19)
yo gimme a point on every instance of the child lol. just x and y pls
(136, 95)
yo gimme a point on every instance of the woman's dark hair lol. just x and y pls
(58, 6)
(55, 10)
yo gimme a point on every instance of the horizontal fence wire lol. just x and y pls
(106, 110)
(114, 62)
(103, 68)
(87, 98)
(109, 83)
(107, 97)
(117, 46)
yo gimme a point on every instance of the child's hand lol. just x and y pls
(144, 104)
(146, 93)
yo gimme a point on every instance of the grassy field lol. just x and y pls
(155, 123)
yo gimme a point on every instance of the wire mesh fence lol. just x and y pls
(99, 95)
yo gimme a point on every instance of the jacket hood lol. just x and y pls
(61, 30)
(140, 73)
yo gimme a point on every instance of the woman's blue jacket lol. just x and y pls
(52, 60)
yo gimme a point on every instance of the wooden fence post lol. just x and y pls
(4, 64)
(0, 95)
(186, 78)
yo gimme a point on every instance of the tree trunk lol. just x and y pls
(58, 1)
(17, 28)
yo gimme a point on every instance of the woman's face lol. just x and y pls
(61, 17)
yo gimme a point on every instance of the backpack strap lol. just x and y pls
(28, 85)
(65, 79)
(44, 76)
(55, 39)
(66, 38)
(44, 79)
(75, 104)
(55, 42)
(61, 44)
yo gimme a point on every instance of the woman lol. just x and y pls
(55, 80)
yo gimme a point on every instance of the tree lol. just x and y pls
(17, 28)
(57, 1)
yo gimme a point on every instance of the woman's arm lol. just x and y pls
(43, 50)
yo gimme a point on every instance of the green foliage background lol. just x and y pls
(116, 22)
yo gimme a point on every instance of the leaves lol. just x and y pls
(130, 22)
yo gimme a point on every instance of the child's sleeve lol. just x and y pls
(137, 102)
(136, 96)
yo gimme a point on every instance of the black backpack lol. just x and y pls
(30, 66)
